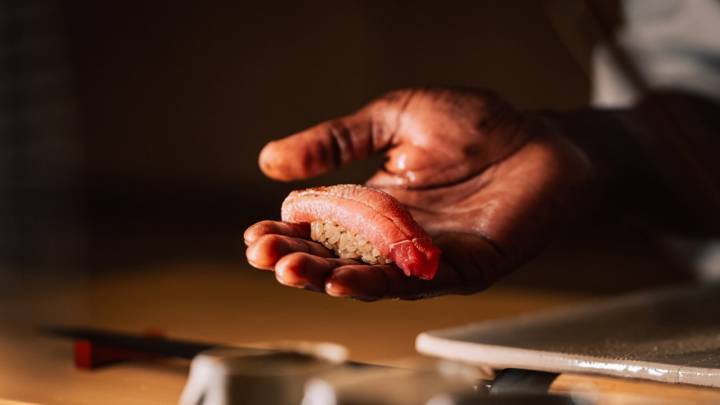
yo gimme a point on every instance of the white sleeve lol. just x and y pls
(671, 44)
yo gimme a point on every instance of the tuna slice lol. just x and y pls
(364, 223)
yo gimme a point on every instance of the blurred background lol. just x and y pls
(130, 133)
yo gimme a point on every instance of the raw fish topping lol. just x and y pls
(365, 224)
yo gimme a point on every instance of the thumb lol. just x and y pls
(331, 144)
(319, 149)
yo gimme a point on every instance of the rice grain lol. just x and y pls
(345, 244)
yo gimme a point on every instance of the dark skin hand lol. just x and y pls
(488, 182)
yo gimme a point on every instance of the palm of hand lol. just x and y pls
(483, 179)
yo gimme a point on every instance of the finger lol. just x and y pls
(334, 143)
(268, 249)
(384, 179)
(387, 281)
(358, 281)
(304, 270)
(412, 167)
(275, 227)
(319, 149)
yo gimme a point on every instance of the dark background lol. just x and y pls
(162, 108)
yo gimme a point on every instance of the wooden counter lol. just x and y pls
(224, 302)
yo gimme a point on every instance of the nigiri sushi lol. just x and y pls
(366, 224)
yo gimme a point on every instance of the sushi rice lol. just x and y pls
(345, 244)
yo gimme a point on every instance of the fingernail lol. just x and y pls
(335, 289)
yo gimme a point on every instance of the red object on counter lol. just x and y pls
(90, 355)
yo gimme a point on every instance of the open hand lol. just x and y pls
(488, 182)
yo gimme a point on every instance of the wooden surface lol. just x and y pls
(225, 302)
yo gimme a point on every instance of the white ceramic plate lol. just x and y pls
(671, 335)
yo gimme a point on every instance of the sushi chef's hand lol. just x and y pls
(485, 180)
